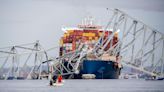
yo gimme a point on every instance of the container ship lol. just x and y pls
(106, 67)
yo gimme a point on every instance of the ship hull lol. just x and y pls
(101, 69)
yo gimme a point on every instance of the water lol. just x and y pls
(82, 86)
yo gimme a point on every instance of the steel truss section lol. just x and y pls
(142, 47)
(12, 61)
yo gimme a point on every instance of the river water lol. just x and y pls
(110, 85)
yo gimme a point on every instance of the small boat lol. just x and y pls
(160, 79)
(58, 84)
(10, 78)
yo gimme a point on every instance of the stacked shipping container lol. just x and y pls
(72, 38)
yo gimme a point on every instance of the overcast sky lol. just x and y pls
(24, 21)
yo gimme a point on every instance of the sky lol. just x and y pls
(25, 21)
